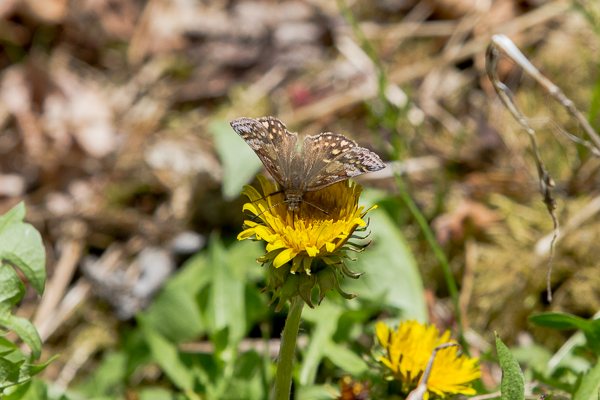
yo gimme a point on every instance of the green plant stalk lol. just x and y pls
(285, 364)
(438, 253)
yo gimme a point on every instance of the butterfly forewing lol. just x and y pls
(272, 142)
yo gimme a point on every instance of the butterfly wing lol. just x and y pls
(331, 158)
(272, 142)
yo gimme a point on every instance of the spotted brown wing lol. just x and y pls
(272, 142)
(330, 158)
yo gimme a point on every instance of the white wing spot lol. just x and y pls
(265, 124)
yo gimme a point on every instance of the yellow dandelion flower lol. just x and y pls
(407, 352)
(309, 239)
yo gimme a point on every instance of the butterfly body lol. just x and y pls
(322, 160)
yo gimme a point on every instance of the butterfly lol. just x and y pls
(322, 160)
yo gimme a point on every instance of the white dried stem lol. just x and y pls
(502, 44)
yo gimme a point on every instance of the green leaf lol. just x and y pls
(513, 382)
(227, 294)
(589, 389)
(13, 216)
(345, 359)
(34, 369)
(240, 164)
(246, 365)
(167, 357)
(21, 245)
(6, 346)
(535, 356)
(9, 372)
(558, 320)
(391, 276)
(31, 390)
(157, 393)
(17, 371)
(12, 288)
(590, 328)
(191, 291)
(317, 392)
(248, 382)
(325, 317)
(180, 294)
(25, 330)
(174, 314)
(107, 378)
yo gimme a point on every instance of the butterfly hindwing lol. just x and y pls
(331, 158)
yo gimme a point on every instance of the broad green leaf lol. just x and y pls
(166, 355)
(15, 375)
(345, 359)
(20, 386)
(193, 275)
(220, 339)
(240, 164)
(567, 356)
(21, 245)
(9, 372)
(34, 369)
(37, 390)
(188, 293)
(249, 381)
(242, 258)
(12, 288)
(108, 377)
(589, 389)
(513, 382)
(317, 392)
(391, 276)
(534, 355)
(180, 294)
(325, 318)
(6, 346)
(590, 328)
(17, 392)
(246, 366)
(13, 216)
(558, 320)
(25, 330)
(174, 314)
(157, 393)
(227, 293)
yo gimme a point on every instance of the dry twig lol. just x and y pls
(502, 44)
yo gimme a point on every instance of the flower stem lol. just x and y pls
(283, 377)
(438, 253)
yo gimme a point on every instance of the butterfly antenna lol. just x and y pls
(268, 209)
(271, 207)
(267, 196)
(316, 207)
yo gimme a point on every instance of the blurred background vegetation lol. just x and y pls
(114, 130)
